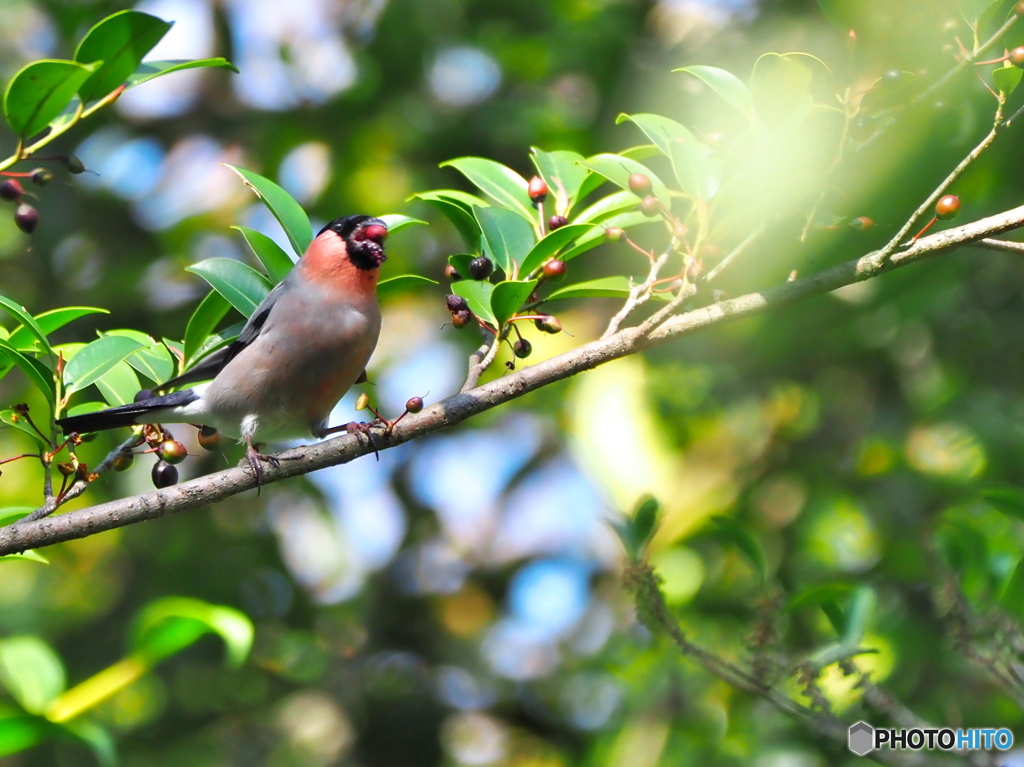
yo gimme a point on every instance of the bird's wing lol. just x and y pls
(212, 364)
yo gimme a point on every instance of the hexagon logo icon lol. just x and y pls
(861, 738)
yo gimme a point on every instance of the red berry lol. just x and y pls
(124, 461)
(455, 303)
(11, 190)
(862, 222)
(375, 232)
(414, 405)
(172, 451)
(26, 217)
(947, 207)
(555, 270)
(537, 189)
(164, 475)
(650, 206)
(613, 233)
(480, 268)
(522, 348)
(1017, 57)
(548, 324)
(451, 274)
(640, 185)
(557, 222)
(209, 438)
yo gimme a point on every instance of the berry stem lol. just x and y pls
(927, 226)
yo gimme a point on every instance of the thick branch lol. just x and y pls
(455, 409)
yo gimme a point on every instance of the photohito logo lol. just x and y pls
(863, 739)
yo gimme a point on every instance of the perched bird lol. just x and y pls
(306, 344)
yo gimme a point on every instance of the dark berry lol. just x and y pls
(451, 274)
(537, 189)
(66, 469)
(455, 303)
(480, 268)
(26, 217)
(548, 324)
(557, 222)
(209, 438)
(11, 190)
(41, 177)
(143, 394)
(947, 207)
(1017, 57)
(693, 270)
(164, 475)
(124, 461)
(522, 348)
(461, 319)
(640, 185)
(414, 405)
(172, 451)
(555, 269)
(74, 165)
(613, 233)
(650, 206)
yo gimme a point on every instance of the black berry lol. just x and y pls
(164, 475)
(557, 222)
(26, 217)
(461, 319)
(455, 303)
(11, 190)
(522, 348)
(451, 274)
(480, 268)
(41, 177)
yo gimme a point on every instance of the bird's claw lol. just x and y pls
(255, 459)
(360, 427)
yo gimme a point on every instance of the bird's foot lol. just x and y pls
(255, 459)
(358, 427)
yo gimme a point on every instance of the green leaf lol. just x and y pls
(696, 172)
(241, 285)
(458, 207)
(31, 672)
(507, 297)
(119, 41)
(28, 322)
(618, 169)
(396, 222)
(607, 287)
(461, 263)
(150, 70)
(21, 732)
(83, 408)
(1007, 78)
(17, 421)
(36, 372)
(204, 320)
(24, 339)
(497, 181)
(152, 360)
(732, 531)
(732, 90)
(478, 295)
(403, 283)
(168, 625)
(39, 92)
(816, 596)
(96, 359)
(1007, 499)
(1012, 596)
(617, 202)
(507, 237)
(551, 244)
(119, 385)
(277, 263)
(564, 175)
(98, 740)
(595, 236)
(284, 207)
(859, 611)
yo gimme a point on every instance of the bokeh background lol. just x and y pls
(458, 602)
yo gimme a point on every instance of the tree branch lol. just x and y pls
(459, 407)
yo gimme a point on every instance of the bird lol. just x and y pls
(306, 344)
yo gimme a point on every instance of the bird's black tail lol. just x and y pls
(124, 415)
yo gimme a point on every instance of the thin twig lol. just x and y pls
(638, 295)
(479, 361)
(1006, 246)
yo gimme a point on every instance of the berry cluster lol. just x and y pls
(12, 190)
(169, 453)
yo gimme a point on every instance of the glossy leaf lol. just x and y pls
(119, 42)
(25, 340)
(277, 263)
(286, 210)
(36, 372)
(397, 222)
(497, 181)
(606, 287)
(595, 236)
(39, 92)
(1007, 499)
(692, 164)
(732, 90)
(735, 533)
(241, 285)
(119, 385)
(19, 422)
(551, 244)
(461, 263)
(96, 359)
(1007, 78)
(30, 671)
(19, 732)
(152, 360)
(564, 175)
(638, 153)
(204, 320)
(507, 297)
(28, 322)
(618, 169)
(461, 218)
(617, 202)
(478, 296)
(150, 70)
(403, 283)
(166, 626)
(507, 237)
